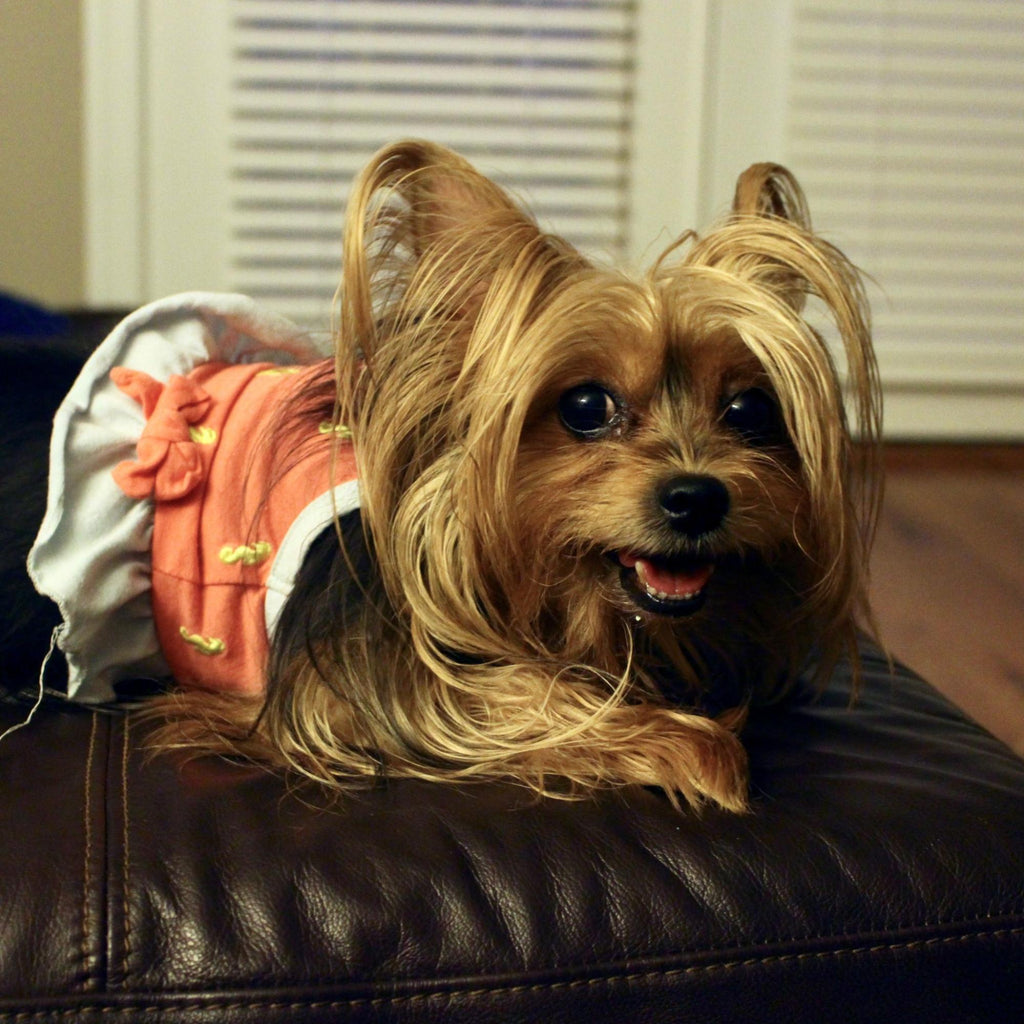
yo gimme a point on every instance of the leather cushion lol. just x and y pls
(879, 877)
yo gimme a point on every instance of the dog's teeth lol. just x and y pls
(668, 585)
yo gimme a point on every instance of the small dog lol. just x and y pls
(599, 515)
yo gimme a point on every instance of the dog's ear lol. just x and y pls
(447, 197)
(769, 190)
(439, 192)
(422, 222)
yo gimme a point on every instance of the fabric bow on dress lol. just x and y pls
(168, 466)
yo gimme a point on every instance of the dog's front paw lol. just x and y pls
(695, 760)
(699, 760)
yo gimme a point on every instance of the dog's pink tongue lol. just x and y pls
(662, 580)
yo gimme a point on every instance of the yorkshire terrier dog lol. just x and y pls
(598, 514)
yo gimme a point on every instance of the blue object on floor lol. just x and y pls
(27, 320)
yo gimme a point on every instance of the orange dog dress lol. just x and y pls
(225, 499)
(183, 498)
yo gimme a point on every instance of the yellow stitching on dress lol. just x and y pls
(209, 645)
(247, 554)
(203, 435)
(279, 371)
(338, 429)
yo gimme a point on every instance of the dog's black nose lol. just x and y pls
(694, 505)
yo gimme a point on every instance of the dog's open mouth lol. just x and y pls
(664, 586)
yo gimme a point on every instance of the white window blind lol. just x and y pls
(536, 94)
(906, 127)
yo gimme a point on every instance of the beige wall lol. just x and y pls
(41, 199)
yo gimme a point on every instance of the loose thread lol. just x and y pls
(39, 697)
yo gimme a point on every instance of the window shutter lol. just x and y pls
(906, 127)
(536, 95)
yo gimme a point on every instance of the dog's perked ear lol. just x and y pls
(768, 243)
(426, 235)
(769, 190)
(405, 200)
(440, 191)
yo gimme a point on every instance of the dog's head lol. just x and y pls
(561, 462)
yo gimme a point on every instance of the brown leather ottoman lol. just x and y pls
(880, 877)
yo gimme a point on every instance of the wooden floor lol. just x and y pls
(948, 576)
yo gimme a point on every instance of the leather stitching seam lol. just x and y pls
(455, 994)
(126, 860)
(87, 826)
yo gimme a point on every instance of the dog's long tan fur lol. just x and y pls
(499, 641)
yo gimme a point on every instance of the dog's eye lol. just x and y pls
(754, 415)
(588, 411)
